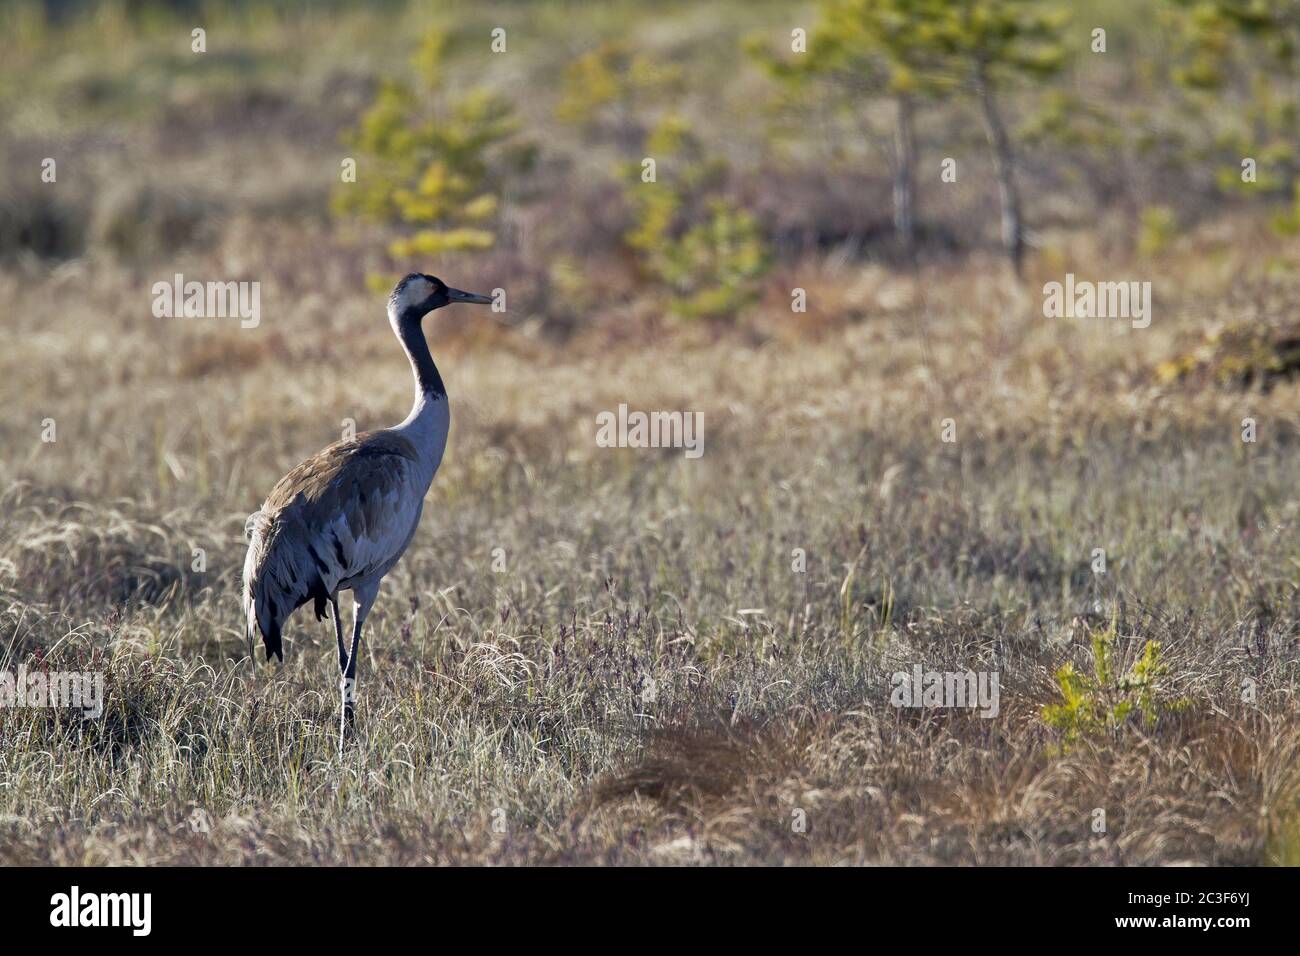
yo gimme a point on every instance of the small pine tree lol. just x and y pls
(433, 162)
(689, 235)
(883, 49)
(994, 42)
(1104, 700)
(1247, 51)
(913, 50)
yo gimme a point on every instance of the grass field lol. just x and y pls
(594, 655)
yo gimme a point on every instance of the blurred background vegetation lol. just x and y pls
(779, 133)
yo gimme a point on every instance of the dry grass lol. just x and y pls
(521, 694)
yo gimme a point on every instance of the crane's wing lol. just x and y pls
(343, 514)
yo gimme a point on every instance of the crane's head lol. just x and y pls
(418, 294)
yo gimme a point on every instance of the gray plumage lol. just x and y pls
(343, 518)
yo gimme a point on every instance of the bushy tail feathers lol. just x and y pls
(282, 572)
(260, 609)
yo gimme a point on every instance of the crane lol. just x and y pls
(342, 519)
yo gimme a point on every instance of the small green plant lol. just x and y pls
(1243, 58)
(1104, 700)
(688, 234)
(433, 162)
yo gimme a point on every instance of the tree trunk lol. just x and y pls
(904, 190)
(1004, 163)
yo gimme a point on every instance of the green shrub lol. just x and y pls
(689, 236)
(1103, 701)
(434, 163)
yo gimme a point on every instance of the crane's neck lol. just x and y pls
(428, 383)
(429, 419)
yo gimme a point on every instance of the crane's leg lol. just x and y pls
(338, 632)
(363, 596)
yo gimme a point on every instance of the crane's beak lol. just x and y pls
(456, 295)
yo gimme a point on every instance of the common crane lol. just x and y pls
(341, 520)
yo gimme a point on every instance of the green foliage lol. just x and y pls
(1222, 34)
(927, 47)
(687, 234)
(690, 236)
(1159, 224)
(1248, 50)
(860, 49)
(713, 267)
(924, 47)
(914, 51)
(1103, 701)
(614, 84)
(998, 38)
(881, 46)
(433, 162)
